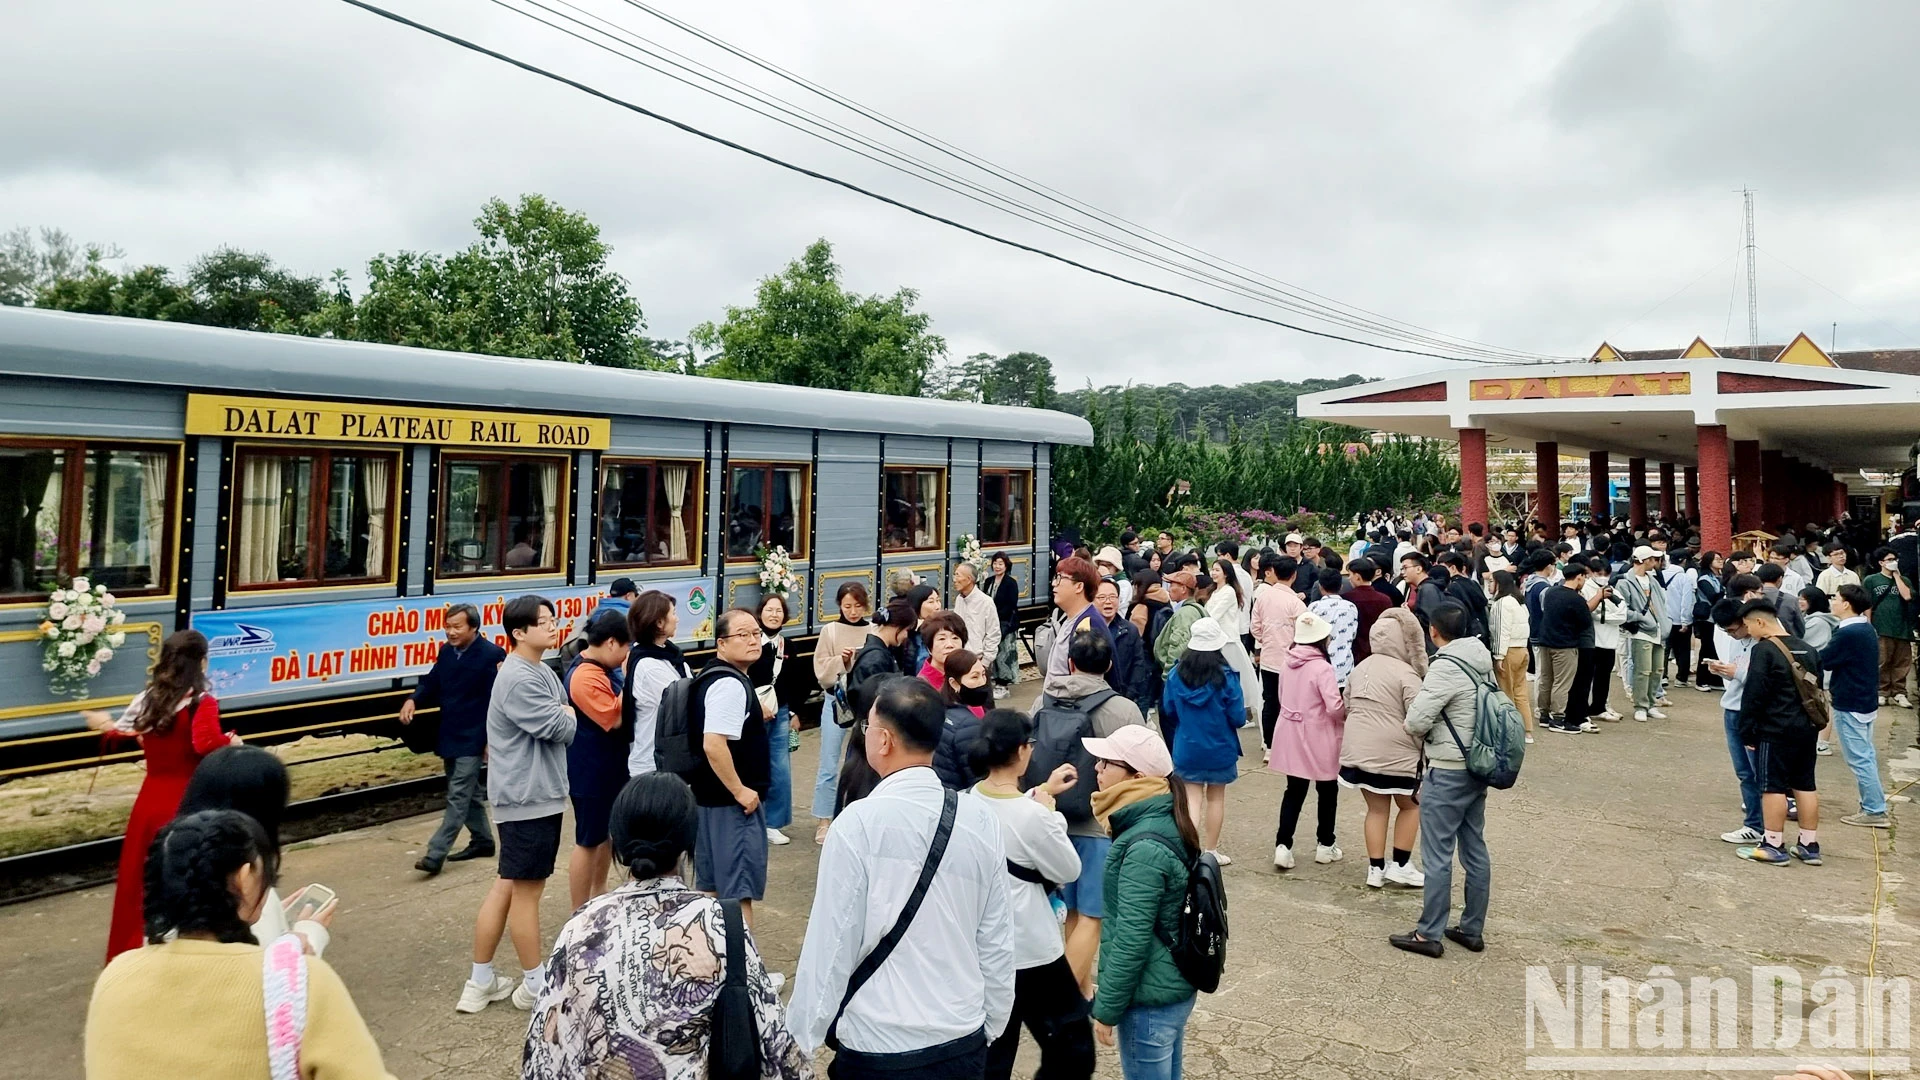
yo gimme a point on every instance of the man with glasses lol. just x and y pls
(529, 726)
(730, 851)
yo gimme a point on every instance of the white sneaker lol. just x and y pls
(1823, 748)
(1282, 857)
(524, 997)
(1609, 715)
(1376, 877)
(1640, 715)
(1325, 854)
(1663, 700)
(1001, 693)
(475, 997)
(1656, 714)
(1406, 874)
(1742, 835)
(1529, 739)
(1221, 857)
(1588, 727)
(778, 838)
(1883, 699)
(1703, 689)
(1901, 700)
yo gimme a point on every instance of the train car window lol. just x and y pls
(914, 521)
(502, 515)
(767, 506)
(84, 508)
(650, 513)
(1004, 511)
(312, 517)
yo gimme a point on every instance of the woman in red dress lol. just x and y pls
(177, 722)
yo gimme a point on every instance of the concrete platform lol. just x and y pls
(1607, 853)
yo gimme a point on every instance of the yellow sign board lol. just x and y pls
(1659, 384)
(333, 421)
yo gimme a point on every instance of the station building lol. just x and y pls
(1740, 438)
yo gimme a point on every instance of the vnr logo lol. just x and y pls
(248, 639)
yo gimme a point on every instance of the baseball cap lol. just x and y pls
(1137, 746)
(1294, 538)
(1643, 553)
(622, 586)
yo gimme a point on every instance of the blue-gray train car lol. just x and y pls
(312, 505)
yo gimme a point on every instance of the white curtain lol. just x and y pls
(153, 501)
(794, 484)
(928, 532)
(379, 473)
(550, 514)
(673, 480)
(260, 520)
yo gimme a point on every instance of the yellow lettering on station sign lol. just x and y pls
(1659, 384)
(332, 421)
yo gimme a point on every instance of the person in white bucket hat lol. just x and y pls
(1201, 712)
(1306, 739)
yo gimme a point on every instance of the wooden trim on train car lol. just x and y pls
(234, 458)
(165, 571)
(563, 514)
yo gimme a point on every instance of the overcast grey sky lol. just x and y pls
(1538, 176)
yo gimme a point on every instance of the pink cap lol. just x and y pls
(1137, 745)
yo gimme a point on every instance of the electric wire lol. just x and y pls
(1077, 205)
(912, 166)
(642, 110)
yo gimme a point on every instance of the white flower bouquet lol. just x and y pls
(79, 632)
(776, 572)
(969, 547)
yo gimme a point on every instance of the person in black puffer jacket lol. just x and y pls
(967, 695)
(877, 659)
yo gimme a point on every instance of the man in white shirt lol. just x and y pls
(927, 1009)
(1836, 574)
(976, 609)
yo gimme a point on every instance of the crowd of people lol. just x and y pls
(983, 871)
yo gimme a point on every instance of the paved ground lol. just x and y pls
(1607, 853)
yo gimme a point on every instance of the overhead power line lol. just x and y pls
(642, 110)
(917, 167)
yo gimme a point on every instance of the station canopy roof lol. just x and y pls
(1842, 411)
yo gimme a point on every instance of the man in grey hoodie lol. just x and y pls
(1453, 804)
(1085, 687)
(529, 725)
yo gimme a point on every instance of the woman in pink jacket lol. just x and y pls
(1306, 738)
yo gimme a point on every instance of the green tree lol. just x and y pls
(1022, 378)
(806, 329)
(146, 292)
(536, 284)
(244, 290)
(29, 264)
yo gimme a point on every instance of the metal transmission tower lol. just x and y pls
(1753, 287)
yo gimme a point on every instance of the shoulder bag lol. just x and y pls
(1813, 699)
(733, 1051)
(870, 964)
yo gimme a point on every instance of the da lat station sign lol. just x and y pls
(338, 422)
(1658, 384)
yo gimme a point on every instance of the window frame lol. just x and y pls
(938, 510)
(802, 525)
(323, 453)
(694, 506)
(563, 511)
(1010, 474)
(73, 477)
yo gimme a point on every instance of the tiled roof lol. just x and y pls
(1896, 361)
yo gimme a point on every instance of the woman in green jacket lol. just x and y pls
(1143, 1000)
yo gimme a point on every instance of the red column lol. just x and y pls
(1637, 492)
(1546, 486)
(1775, 489)
(1599, 502)
(1691, 481)
(1473, 476)
(1714, 507)
(1839, 497)
(1669, 497)
(1746, 482)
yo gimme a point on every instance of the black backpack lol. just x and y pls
(678, 741)
(1199, 944)
(1058, 728)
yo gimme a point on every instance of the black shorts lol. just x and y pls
(590, 817)
(528, 848)
(1786, 766)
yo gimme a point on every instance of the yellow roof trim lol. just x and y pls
(1699, 350)
(1606, 354)
(1804, 352)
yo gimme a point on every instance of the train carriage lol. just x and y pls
(312, 505)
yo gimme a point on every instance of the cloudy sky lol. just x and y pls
(1536, 176)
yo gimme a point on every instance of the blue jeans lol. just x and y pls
(1855, 733)
(1453, 813)
(826, 775)
(466, 805)
(780, 786)
(1743, 769)
(1151, 1038)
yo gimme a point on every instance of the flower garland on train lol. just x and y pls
(79, 631)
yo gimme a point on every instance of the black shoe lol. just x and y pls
(428, 865)
(1414, 943)
(1469, 942)
(472, 851)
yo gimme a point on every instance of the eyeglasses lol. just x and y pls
(743, 634)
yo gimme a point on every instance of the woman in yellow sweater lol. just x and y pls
(192, 1002)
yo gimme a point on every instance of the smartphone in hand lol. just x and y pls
(307, 903)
